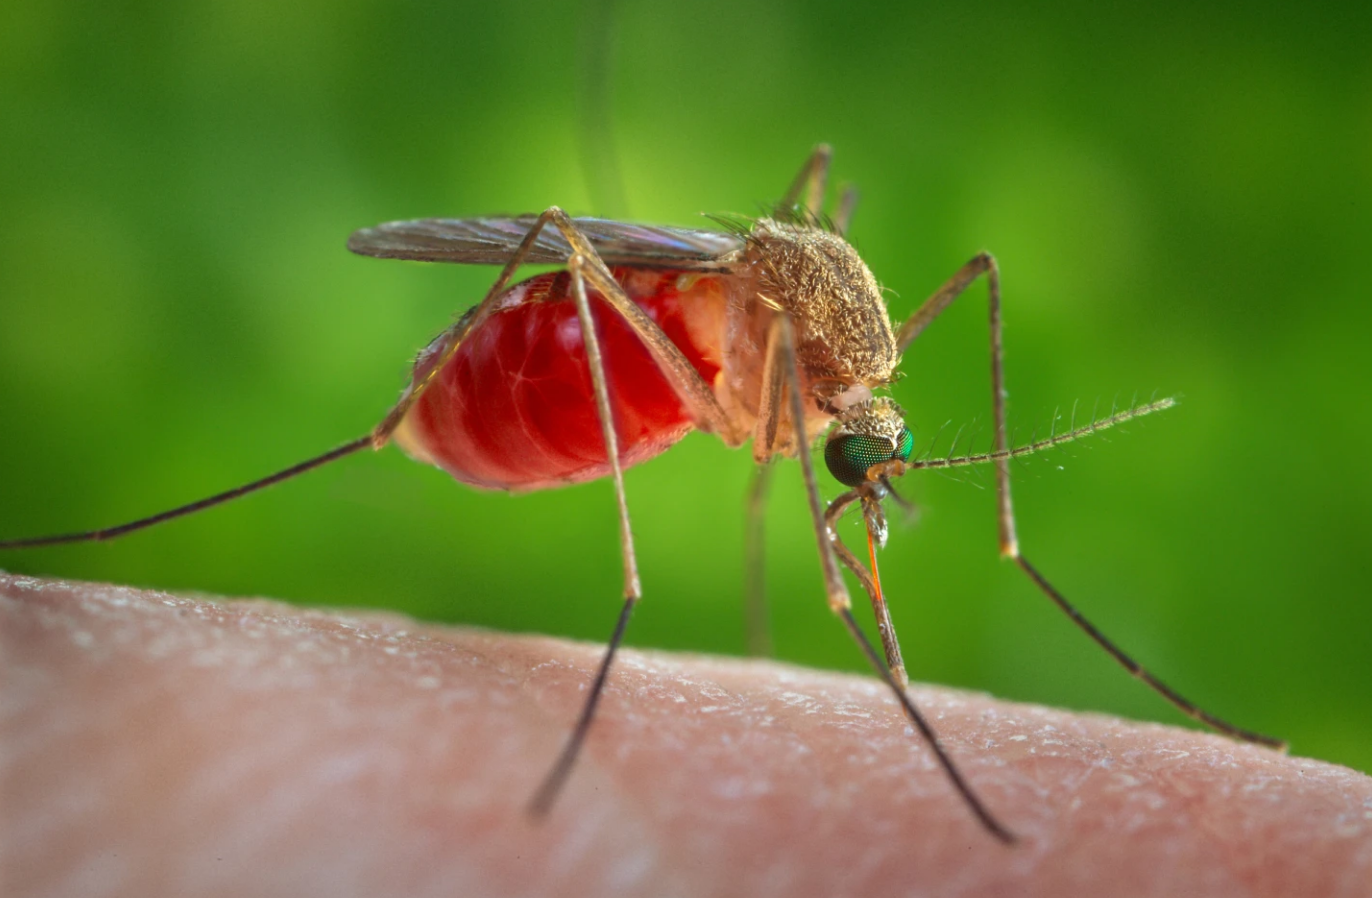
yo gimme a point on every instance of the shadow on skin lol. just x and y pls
(153, 744)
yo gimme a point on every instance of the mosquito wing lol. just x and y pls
(491, 241)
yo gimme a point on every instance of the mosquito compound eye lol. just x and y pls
(905, 444)
(850, 455)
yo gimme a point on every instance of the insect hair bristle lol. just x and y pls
(733, 223)
(1054, 440)
(799, 216)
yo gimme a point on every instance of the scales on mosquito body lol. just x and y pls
(771, 329)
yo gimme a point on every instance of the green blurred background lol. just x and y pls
(1181, 201)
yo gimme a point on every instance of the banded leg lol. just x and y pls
(984, 263)
(782, 332)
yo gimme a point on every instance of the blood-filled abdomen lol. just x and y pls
(514, 408)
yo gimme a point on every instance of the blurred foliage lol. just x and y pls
(1181, 201)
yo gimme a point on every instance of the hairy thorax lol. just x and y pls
(843, 332)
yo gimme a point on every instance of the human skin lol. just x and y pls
(154, 744)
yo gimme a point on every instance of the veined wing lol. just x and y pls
(491, 241)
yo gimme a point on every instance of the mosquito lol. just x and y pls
(770, 328)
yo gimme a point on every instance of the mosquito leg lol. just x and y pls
(767, 428)
(943, 297)
(811, 181)
(846, 205)
(633, 590)
(984, 263)
(839, 602)
(757, 626)
(356, 445)
(378, 437)
(552, 784)
(780, 342)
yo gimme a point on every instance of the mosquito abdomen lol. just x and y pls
(514, 408)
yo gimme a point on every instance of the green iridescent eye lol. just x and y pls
(850, 455)
(905, 444)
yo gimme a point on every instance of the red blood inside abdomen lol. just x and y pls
(515, 409)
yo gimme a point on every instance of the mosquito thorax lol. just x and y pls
(843, 329)
(867, 435)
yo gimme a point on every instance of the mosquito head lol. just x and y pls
(867, 434)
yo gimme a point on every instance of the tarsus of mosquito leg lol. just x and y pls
(192, 507)
(970, 797)
(1187, 707)
(552, 784)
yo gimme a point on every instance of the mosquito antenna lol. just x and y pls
(599, 157)
(896, 468)
(201, 505)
